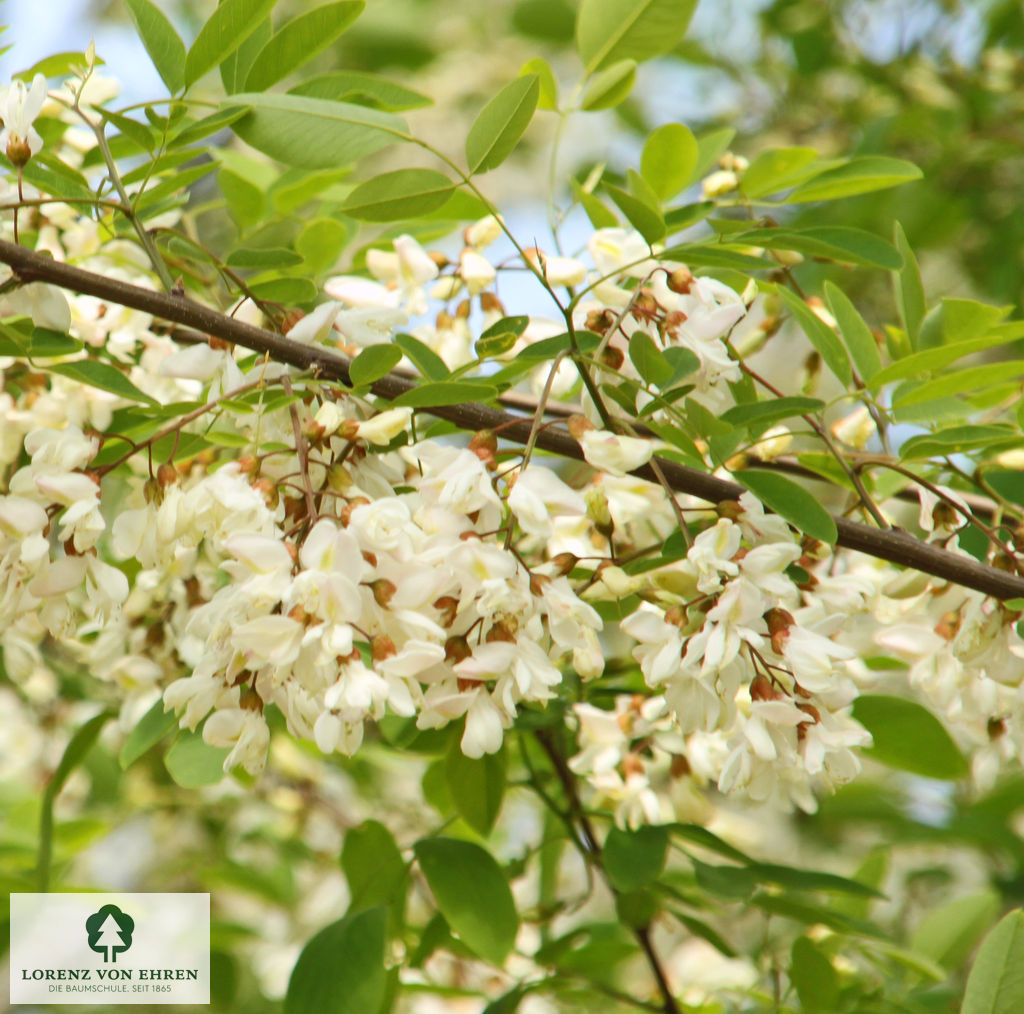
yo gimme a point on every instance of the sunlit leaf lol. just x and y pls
(611, 30)
(500, 124)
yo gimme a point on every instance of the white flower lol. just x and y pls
(539, 494)
(622, 251)
(315, 328)
(19, 106)
(476, 271)
(482, 233)
(382, 428)
(564, 271)
(615, 454)
(245, 732)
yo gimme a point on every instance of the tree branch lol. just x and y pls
(893, 545)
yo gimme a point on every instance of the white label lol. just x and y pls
(110, 948)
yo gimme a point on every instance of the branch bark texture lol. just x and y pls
(893, 545)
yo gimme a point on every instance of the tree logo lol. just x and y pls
(110, 932)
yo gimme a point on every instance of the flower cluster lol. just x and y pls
(242, 536)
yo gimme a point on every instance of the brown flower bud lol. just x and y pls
(612, 357)
(564, 563)
(457, 649)
(290, 319)
(18, 151)
(503, 630)
(484, 444)
(383, 591)
(249, 700)
(680, 767)
(268, 491)
(382, 647)
(166, 475)
(762, 689)
(490, 303)
(600, 321)
(578, 425)
(448, 607)
(681, 281)
(439, 259)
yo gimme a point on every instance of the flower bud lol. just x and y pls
(382, 647)
(681, 281)
(457, 649)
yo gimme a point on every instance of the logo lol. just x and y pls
(110, 932)
(85, 948)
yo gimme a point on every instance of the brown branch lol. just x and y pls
(894, 545)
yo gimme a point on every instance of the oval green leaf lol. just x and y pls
(101, 375)
(996, 982)
(909, 737)
(610, 87)
(314, 133)
(372, 363)
(611, 30)
(799, 507)
(298, 41)
(152, 727)
(363, 88)
(820, 335)
(634, 859)
(229, 26)
(476, 787)
(856, 335)
(162, 42)
(501, 123)
(472, 894)
(404, 193)
(858, 176)
(193, 763)
(445, 392)
(341, 969)
(373, 866)
(669, 159)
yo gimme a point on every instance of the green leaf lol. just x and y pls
(362, 88)
(229, 26)
(40, 344)
(285, 290)
(799, 507)
(472, 894)
(477, 787)
(967, 319)
(634, 859)
(857, 176)
(75, 752)
(716, 255)
(193, 763)
(948, 933)
(645, 219)
(776, 170)
(669, 159)
(314, 133)
(374, 362)
(677, 219)
(500, 336)
(820, 335)
(710, 147)
(298, 41)
(245, 200)
(859, 340)
(963, 382)
(424, 358)
(500, 124)
(610, 87)
(908, 287)
(162, 42)
(341, 969)
(649, 360)
(698, 835)
(815, 980)
(957, 439)
(908, 737)
(257, 258)
(445, 392)
(137, 132)
(373, 866)
(152, 727)
(234, 68)
(763, 413)
(548, 85)
(996, 982)
(196, 131)
(611, 30)
(811, 880)
(732, 882)
(101, 375)
(600, 216)
(404, 193)
(836, 243)
(320, 243)
(929, 360)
